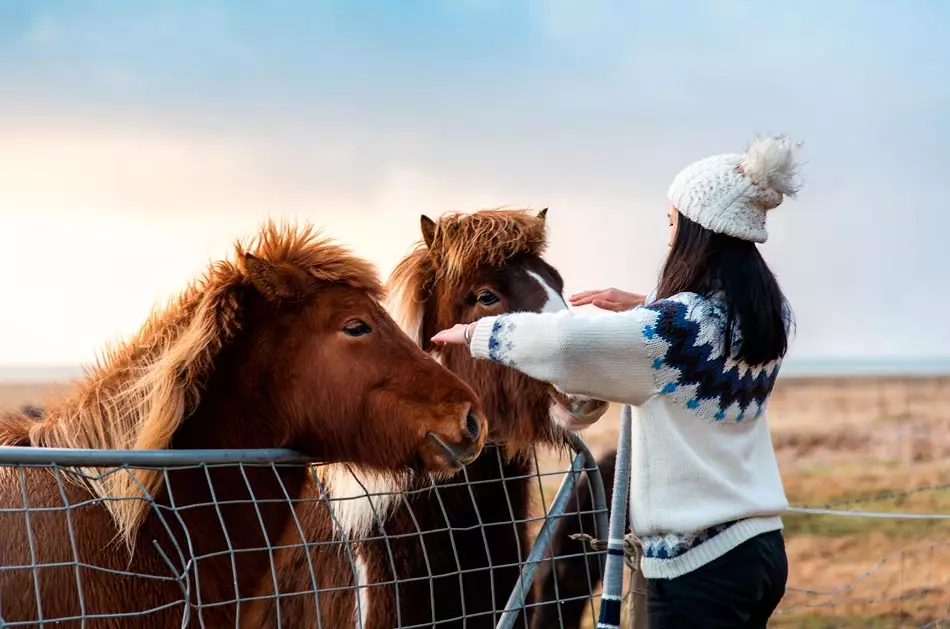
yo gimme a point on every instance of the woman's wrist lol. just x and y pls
(468, 332)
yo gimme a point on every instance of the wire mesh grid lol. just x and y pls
(264, 538)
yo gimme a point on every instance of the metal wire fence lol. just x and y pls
(266, 538)
(865, 551)
(906, 586)
(864, 463)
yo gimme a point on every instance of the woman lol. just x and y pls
(697, 361)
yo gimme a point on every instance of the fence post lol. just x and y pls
(611, 600)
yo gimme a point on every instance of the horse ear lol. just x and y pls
(277, 281)
(543, 214)
(428, 229)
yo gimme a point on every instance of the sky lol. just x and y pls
(138, 141)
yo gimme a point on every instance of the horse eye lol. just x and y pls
(356, 327)
(487, 298)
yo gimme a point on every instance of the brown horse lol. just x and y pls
(447, 552)
(287, 346)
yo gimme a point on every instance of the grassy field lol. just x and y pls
(845, 442)
(860, 444)
(18, 394)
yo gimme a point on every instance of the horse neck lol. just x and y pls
(518, 407)
(231, 412)
(233, 506)
(227, 519)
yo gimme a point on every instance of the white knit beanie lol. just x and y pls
(730, 194)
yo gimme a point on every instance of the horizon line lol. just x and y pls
(803, 367)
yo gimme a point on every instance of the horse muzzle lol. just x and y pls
(458, 456)
(474, 431)
(576, 412)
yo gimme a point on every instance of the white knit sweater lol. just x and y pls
(704, 476)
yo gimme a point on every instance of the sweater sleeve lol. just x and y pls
(604, 355)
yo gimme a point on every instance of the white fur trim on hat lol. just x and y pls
(730, 194)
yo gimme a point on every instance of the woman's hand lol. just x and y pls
(458, 334)
(608, 299)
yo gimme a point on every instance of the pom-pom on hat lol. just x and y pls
(730, 194)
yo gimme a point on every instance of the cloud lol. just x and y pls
(191, 122)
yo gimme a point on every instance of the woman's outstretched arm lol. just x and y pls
(602, 355)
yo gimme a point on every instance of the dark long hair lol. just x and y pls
(704, 262)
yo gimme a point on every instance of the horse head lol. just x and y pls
(318, 365)
(468, 266)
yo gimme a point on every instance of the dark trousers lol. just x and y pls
(739, 590)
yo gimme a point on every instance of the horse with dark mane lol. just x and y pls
(287, 346)
(448, 552)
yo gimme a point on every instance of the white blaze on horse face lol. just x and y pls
(555, 302)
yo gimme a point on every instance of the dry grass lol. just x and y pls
(16, 395)
(847, 439)
(837, 439)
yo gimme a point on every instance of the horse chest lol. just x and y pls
(459, 551)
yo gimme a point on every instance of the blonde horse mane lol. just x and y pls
(137, 393)
(461, 242)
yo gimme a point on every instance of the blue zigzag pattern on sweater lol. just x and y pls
(696, 364)
(672, 546)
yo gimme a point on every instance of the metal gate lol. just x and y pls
(34, 578)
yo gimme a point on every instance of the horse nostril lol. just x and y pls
(471, 425)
